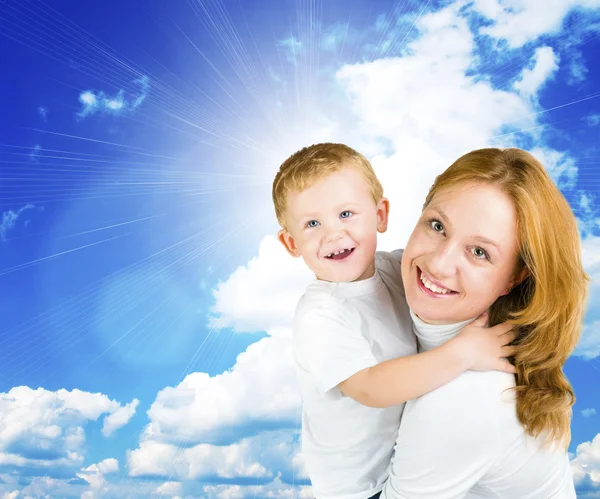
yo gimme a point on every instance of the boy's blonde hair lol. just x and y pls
(313, 163)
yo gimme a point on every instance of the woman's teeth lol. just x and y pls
(432, 287)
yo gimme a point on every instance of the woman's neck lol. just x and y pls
(434, 335)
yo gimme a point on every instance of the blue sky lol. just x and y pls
(145, 303)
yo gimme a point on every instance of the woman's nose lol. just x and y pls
(443, 260)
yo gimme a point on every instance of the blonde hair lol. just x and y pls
(311, 164)
(547, 307)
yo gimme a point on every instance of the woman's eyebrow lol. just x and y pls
(442, 215)
(488, 241)
(483, 239)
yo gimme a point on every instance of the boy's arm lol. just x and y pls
(397, 380)
(329, 345)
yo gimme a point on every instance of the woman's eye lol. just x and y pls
(479, 253)
(437, 226)
(313, 223)
(345, 214)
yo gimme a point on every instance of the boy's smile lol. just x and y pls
(340, 254)
(333, 225)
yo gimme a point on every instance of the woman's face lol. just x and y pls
(461, 255)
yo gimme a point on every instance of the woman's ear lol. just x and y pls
(288, 242)
(517, 279)
(520, 276)
(383, 210)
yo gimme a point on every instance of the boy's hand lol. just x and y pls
(487, 348)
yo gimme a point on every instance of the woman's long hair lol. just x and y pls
(547, 307)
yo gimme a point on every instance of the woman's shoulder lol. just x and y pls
(473, 390)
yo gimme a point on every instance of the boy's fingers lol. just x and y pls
(508, 351)
(509, 336)
(505, 366)
(503, 327)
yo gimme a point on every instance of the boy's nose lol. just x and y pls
(334, 235)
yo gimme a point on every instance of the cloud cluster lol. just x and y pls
(42, 433)
(521, 21)
(9, 220)
(93, 102)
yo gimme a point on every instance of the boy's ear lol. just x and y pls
(383, 210)
(288, 242)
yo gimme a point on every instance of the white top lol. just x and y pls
(464, 440)
(340, 329)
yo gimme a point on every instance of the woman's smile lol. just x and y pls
(431, 287)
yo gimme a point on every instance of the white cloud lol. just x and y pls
(401, 99)
(593, 119)
(44, 431)
(545, 64)
(263, 457)
(588, 219)
(586, 465)
(119, 418)
(268, 286)
(110, 465)
(35, 152)
(43, 112)
(169, 489)
(275, 490)
(93, 102)
(589, 345)
(577, 68)
(94, 475)
(9, 220)
(11, 495)
(522, 21)
(261, 387)
(291, 47)
(586, 413)
(560, 166)
(334, 36)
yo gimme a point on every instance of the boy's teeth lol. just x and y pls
(337, 252)
(429, 285)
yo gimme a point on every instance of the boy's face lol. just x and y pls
(333, 225)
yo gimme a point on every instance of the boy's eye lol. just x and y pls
(313, 223)
(345, 214)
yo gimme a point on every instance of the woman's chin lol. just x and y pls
(434, 313)
(434, 320)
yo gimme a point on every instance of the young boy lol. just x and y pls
(354, 347)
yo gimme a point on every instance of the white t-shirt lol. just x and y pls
(340, 329)
(464, 440)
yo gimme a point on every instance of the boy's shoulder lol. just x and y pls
(394, 257)
(319, 298)
(389, 262)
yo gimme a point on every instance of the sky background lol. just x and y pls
(145, 304)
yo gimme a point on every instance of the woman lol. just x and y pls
(495, 234)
